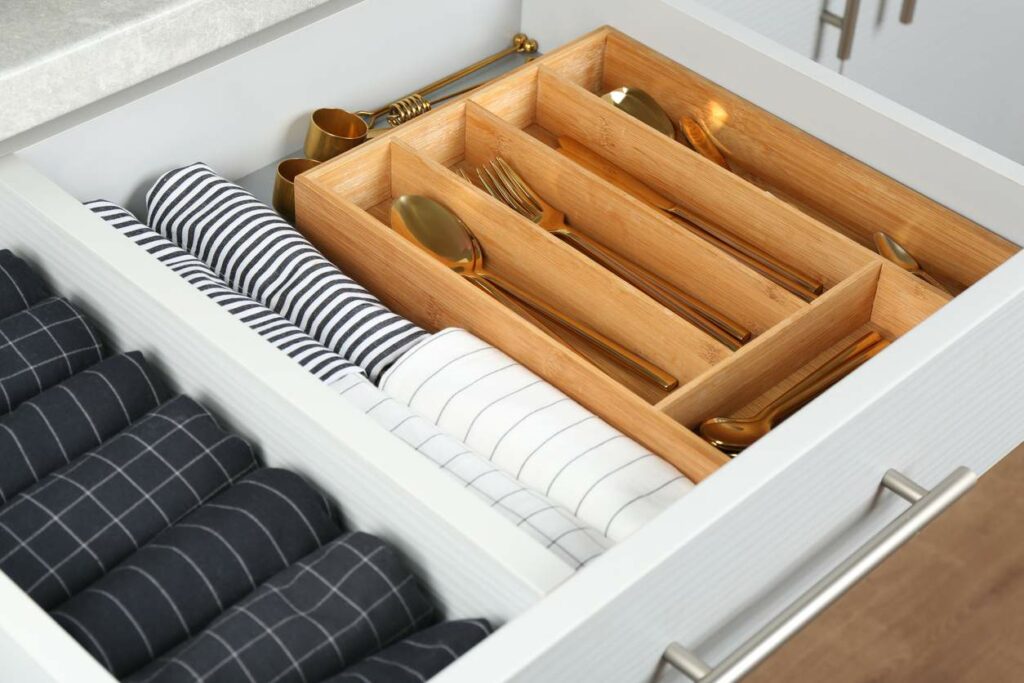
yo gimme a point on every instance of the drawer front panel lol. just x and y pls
(752, 537)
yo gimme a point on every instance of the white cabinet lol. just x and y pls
(957, 63)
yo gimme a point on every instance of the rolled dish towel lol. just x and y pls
(52, 429)
(552, 525)
(534, 432)
(420, 656)
(260, 255)
(78, 522)
(293, 342)
(348, 600)
(20, 286)
(555, 527)
(41, 346)
(189, 574)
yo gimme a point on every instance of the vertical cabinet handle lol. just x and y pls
(907, 11)
(925, 506)
(847, 25)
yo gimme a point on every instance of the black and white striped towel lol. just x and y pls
(50, 430)
(419, 657)
(20, 286)
(296, 344)
(189, 574)
(534, 432)
(552, 525)
(258, 254)
(66, 531)
(41, 346)
(348, 600)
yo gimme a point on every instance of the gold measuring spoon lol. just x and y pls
(441, 233)
(733, 434)
(895, 252)
(642, 106)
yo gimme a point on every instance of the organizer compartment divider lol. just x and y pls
(848, 195)
(696, 183)
(343, 207)
(414, 284)
(629, 227)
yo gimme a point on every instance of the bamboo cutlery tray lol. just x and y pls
(794, 197)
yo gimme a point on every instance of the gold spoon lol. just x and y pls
(733, 434)
(440, 232)
(642, 106)
(895, 252)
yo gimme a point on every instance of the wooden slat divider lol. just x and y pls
(855, 198)
(778, 353)
(628, 226)
(564, 108)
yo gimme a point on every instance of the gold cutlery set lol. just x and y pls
(643, 107)
(695, 354)
(332, 131)
(437, 230)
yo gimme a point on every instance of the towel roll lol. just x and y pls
(41, 346)
(187, 575)
(350, 599)
(20, 286)
(419, 657)
(260, 255)
(534, 432)
(78, 522)
(52, 429)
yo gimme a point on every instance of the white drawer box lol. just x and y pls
(706, 573)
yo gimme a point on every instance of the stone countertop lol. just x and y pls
(59, 55)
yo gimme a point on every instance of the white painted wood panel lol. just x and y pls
(243, 113)
(724, 560)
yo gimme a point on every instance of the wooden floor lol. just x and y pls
(947, 608)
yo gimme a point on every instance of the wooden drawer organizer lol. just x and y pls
(808, 204)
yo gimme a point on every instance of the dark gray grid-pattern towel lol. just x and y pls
(41, 346)
(189, 574)
(325, 365)
(76, 524)
(50, 430)
(420, 656)
(20, 286)
(348, 600)
(260, 255)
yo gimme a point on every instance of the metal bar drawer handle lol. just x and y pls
(926, 506)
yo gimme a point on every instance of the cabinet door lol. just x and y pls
(957, 63)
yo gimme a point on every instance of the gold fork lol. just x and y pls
(508, 187)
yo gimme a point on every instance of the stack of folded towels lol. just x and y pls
(559, 472)
(156, 540)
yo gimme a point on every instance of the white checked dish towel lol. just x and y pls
(534, 432)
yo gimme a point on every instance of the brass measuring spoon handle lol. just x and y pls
(723, 329)
(828, 374)
(616, 351)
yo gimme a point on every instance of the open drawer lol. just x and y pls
(724, 559)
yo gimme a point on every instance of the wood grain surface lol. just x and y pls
(947, 608)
